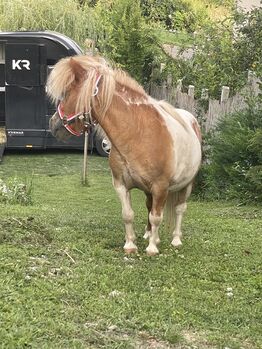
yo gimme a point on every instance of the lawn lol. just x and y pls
(66, 283)
(175, 38)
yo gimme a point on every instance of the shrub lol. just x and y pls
(234, 168)
(170, 14)
(126, 38)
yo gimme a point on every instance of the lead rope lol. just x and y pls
(84, 174)
(88, 127)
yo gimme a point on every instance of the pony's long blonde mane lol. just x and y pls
(90, 68)
(125, 80)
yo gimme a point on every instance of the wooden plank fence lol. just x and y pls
(216, 108)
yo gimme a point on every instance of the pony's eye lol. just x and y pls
(63, 96)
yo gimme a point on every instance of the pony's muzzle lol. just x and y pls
(54, 124)
(57, 128)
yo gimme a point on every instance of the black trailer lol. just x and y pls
(26, 59)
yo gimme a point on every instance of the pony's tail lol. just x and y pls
(169, 216)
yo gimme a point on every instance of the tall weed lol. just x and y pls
(16, 192)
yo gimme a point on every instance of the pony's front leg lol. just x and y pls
(128, 217)
(155, 219)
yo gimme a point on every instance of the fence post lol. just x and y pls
(191, 91)
(179, 85)
(169, 80)
(224, 94)
(204, 93)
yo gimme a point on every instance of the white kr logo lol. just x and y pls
(16, 64)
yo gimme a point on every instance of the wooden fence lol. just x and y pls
(216, 108)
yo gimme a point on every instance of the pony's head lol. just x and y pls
(80, 86)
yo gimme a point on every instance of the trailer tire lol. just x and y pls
(102, 143)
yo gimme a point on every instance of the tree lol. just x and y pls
(249, 41)
(223, 54)
(126, 38)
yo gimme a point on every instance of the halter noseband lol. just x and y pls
(67, 120)
(86, 117)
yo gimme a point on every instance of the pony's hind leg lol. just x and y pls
(155, 219)
(128, 217)
(149, 201)
(180, 208)
(177, 233)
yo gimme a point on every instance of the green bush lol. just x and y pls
(126, 38)
(170, 14)
(234, 166)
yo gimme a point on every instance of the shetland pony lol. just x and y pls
(155, 147)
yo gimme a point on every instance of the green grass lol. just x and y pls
(178, 38)
(66, 283)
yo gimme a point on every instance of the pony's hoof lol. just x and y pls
(130, 250)
(152, 251)
(176, 242)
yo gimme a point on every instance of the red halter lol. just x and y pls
(69, 119)
(84, 116)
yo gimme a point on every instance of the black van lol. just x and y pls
(26, 59)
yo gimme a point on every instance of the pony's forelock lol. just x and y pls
(63, 75)
(59, 80)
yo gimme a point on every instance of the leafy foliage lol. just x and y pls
(223, 54)
(170, 14)
(235, 168)
(126, 38)
(64, 16)
(186, 15)
(249, 43)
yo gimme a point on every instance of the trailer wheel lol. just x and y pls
(102, 143)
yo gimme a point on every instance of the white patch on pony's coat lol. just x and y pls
(186, 146)
(133, 101)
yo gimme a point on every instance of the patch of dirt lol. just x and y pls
(143, 340)
(148, 342)
(197, 340)
(194, 341)
(24, 230)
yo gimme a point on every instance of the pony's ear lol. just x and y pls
(78, 71)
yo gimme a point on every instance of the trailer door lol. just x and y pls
(25, 79)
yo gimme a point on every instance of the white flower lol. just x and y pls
(230, 294)
(115, 293)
